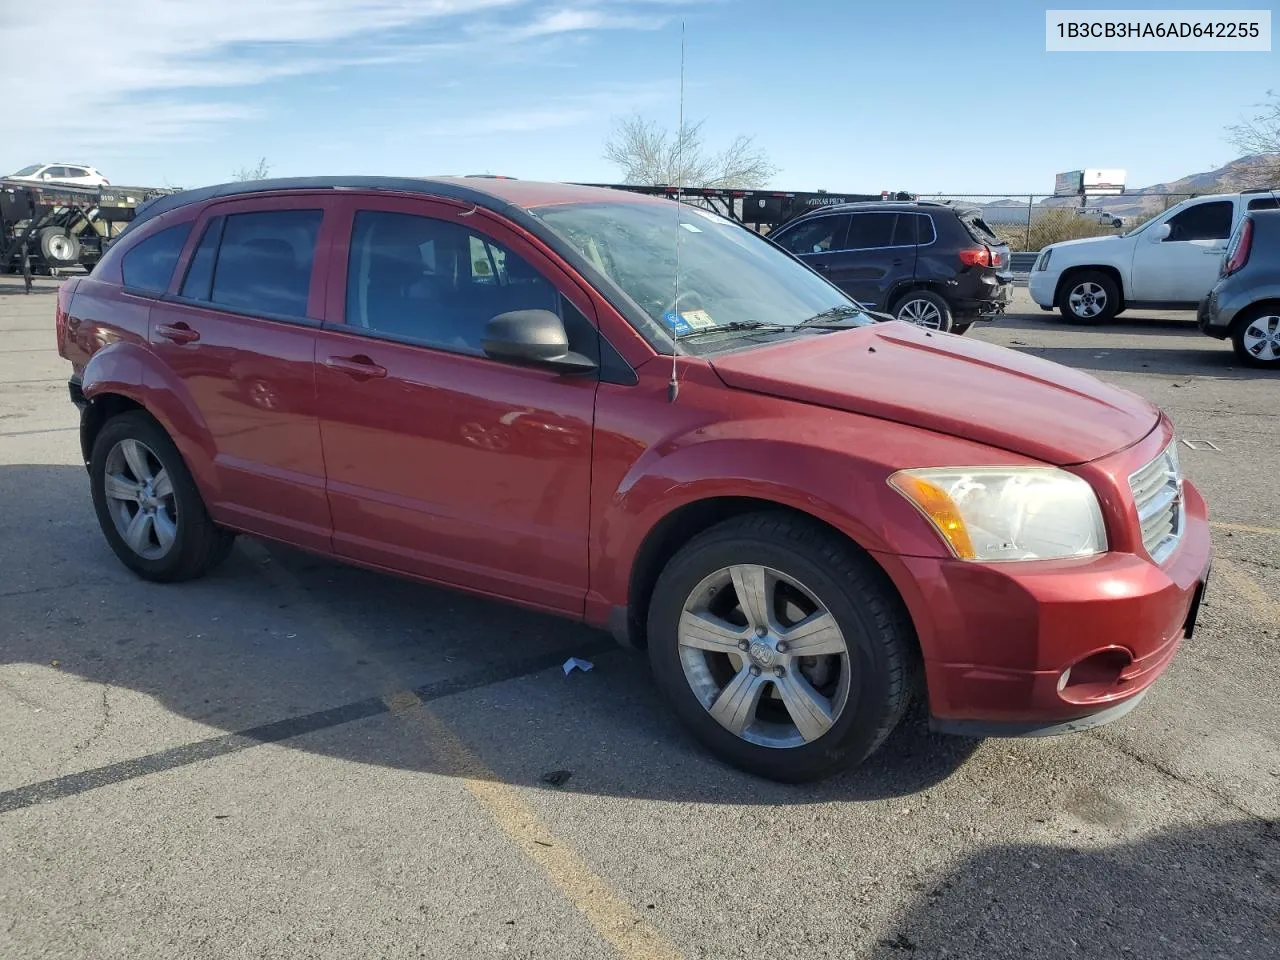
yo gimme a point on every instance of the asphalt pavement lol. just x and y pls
(292, 758)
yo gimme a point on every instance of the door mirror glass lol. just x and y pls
(533, 338)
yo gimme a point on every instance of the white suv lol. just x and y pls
(69, 174)
(1169, 262)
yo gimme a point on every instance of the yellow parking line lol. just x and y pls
(1244, 528)
(1247, 589)
(608, 913)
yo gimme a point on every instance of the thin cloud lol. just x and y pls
(179, 60)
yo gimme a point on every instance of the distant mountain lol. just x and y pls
(1239, 174)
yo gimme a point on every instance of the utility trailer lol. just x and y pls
(761, 210)
(48, 227)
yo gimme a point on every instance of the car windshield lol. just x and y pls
(731, 279)
(27, 171)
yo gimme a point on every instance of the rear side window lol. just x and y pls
(904, 231)
(867, 230)
(264, 262)
(148, 267)
(927, 234)
(818, 235)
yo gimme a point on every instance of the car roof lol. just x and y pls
(499, 194)
(863, 206)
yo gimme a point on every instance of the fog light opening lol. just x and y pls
(1097, 675)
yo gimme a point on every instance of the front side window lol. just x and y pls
(434, 282)
(819, 235)
(1204, 221)
(148, 267)
(727, 274)
(264, 262)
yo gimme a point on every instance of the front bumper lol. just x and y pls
(1051, 646)
(1041, 286)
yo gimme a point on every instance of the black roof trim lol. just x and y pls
(425, 186)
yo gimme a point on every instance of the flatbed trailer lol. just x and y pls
(48, 227)
(761, 210)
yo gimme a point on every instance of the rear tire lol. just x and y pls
(1089, 297)
(148, 505)
(1256, 337)
(849, 693)
(924, 308)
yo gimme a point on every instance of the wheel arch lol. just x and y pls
(1069, 273)
(685, 522)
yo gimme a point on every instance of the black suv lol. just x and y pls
(937, 265)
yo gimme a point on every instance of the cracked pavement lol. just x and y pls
(233, 768)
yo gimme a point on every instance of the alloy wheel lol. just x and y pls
(1087, 299)
(1261, 338)
(764, 656)
(140, 499)
(923, 313)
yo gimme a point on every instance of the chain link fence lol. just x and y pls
(1029, 222)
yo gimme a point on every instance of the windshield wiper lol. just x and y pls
(756, 326)
(829, 319)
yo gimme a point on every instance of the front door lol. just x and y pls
(1184, 266)
(442, 462)
(238, 331)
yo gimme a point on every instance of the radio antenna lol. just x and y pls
(673, 386)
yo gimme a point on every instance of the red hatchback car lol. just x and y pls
(808, 518)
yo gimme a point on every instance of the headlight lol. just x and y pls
(1007, 513)
(1043, 262)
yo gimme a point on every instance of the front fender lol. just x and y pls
(830, 482)
(130, 370)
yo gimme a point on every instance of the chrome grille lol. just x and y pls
(1157, 496)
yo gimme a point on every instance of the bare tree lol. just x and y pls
(259, 172)
(1259, 138)
(649, 154)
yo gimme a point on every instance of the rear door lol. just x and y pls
(238, 333)
(1182, 267)
(879, 253)
(443, 462)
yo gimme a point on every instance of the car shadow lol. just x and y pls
(281, 646)
(1199, 356)
(1209, 891)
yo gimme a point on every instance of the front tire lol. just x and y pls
(784, 650)
(148, 505)
(1089, 297)
(1256, 338)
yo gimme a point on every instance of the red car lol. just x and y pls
(808, 518)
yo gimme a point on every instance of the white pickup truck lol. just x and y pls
(1169, 262)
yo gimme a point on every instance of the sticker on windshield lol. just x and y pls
(698, 319)
(677, 323)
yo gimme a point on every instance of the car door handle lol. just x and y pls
(359, 366)
(898, 262)
(177, 332)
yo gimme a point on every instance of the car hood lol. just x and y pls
(949, 384)
(1086, 241)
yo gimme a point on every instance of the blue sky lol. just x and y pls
(922, 96)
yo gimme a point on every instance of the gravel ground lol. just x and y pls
(295, 759)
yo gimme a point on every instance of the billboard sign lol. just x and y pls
(1091, 182)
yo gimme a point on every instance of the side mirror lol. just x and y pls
(534, 338)
(1161, 232)
(46, 176)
